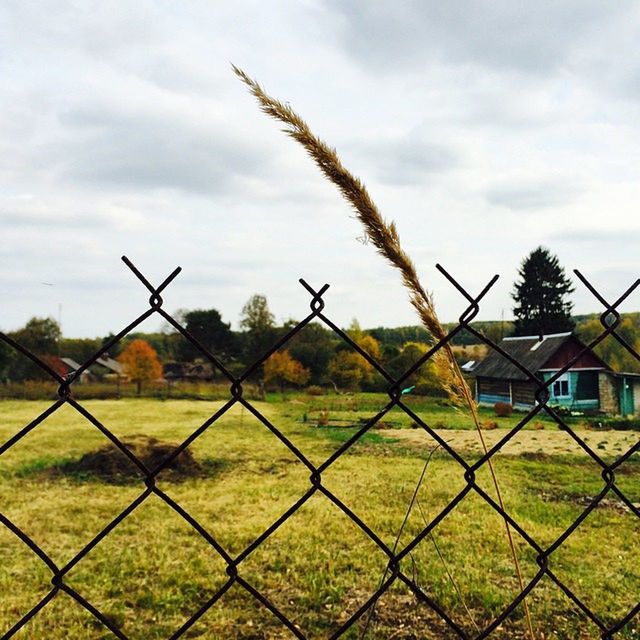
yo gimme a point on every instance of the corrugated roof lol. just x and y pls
(529, 351)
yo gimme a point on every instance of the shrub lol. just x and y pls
(621, 424)
(429, 389)
(315, 390)
(503, 409)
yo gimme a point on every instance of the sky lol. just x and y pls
(483, 129)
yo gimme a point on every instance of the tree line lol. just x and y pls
(315, 355)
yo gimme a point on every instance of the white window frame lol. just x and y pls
(564, 378)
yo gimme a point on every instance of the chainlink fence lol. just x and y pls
(394, 574)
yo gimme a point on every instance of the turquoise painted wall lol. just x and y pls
(571, 401)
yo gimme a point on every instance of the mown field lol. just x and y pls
(153, 570)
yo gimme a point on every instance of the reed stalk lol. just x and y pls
(384, 237)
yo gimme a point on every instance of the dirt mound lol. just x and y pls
(109, 462)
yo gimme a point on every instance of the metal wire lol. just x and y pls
(610, 320)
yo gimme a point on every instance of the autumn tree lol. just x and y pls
(348, 368)
(141, 363)
(425, 379)
(610, 350)
(540, 296)
(281, 368)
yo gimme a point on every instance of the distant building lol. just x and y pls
(66, 366)
(112, 366)
(188, 371)
(590, 385)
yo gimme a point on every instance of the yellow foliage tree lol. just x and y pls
(281, 368)
(425, 378)
(610, 350)
(141, 363)
(348, 368)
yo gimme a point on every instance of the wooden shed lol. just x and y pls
(582, 388)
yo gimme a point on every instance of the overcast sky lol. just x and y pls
(484, 129)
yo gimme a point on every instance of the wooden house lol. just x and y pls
(109, 368)
(67, 366)
(589, 385)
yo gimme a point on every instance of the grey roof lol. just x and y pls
(627, 374)
(111, 364)
(72, 364)
(529, 351)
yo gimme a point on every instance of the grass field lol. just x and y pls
(153, 570)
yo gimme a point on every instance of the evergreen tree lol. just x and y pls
(541, 307)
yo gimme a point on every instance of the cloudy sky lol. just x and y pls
(484, 129)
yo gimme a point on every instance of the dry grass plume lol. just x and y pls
(384, 237)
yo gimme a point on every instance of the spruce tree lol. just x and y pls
(539, 294)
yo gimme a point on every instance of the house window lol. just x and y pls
(560, 387)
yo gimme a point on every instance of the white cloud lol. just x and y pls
(484, 129)
(520, 193)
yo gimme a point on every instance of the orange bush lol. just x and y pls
(503, 409)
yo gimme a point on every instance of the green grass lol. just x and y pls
(352, 408)
(153, 571)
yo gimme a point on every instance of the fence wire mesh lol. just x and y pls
(610, 319)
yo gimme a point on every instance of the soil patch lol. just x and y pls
(109, 463)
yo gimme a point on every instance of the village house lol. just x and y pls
(589, 386)
(103, 368)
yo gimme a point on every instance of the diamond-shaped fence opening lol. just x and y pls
(151, 573)
(348, 517)
(248, 479)
(577, 559)
(309, 586)
(468, 570)
(380, 488)
(56, 504)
